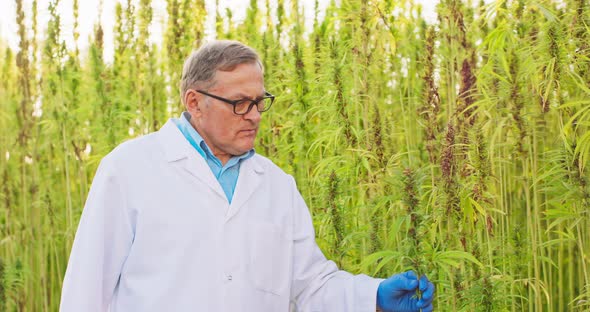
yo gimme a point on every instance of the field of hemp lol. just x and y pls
(458, 148)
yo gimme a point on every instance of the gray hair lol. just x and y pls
(200, 67)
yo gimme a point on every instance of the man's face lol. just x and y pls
(226, 133)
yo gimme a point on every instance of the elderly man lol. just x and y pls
(190, 218)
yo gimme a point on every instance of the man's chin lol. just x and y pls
(243, 150)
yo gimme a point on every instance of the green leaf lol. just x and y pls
(455, 258)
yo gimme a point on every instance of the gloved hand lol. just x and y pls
(398, 293)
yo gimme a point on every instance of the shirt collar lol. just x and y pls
(193, 135)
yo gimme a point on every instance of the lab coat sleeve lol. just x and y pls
(101, 245)
(318, 285)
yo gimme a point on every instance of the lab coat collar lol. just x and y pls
(174, 145)
(177, 147)
(178, 150)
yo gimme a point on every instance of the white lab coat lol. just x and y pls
(157, 234)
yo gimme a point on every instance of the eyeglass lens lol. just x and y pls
(244, 106)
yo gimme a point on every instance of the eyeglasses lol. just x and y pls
(243, 106)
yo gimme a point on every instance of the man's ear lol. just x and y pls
(192, 102)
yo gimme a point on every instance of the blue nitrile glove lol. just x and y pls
(399, 293)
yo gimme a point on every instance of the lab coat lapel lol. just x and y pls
(180, 153)
(249, 180)
(198, 168)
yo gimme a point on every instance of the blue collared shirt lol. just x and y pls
(227, 175)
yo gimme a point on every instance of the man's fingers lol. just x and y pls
(423, 283)
(407, 281)
(429, 308)
(410, 275)
(405, 284)
(427, 296)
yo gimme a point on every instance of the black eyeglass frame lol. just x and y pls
(234, 103)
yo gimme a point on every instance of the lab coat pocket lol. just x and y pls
(269, 258)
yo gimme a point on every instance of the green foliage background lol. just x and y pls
(458, 149)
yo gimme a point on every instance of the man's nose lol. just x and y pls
(253, 114)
